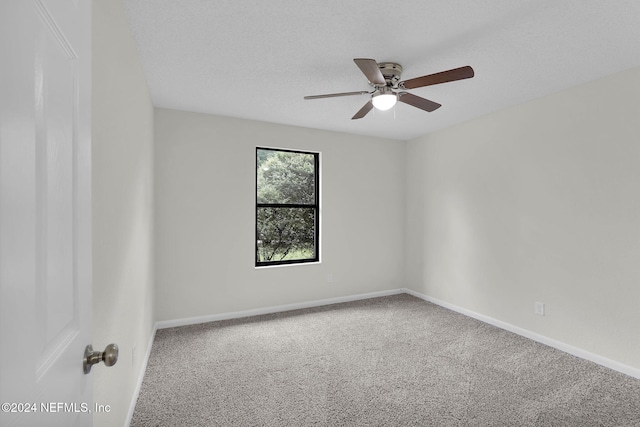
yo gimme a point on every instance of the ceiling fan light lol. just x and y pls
(384, 101)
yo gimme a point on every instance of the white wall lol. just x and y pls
(540, 202)
(122, 209)
(205, 216)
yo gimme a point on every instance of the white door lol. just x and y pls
(45, 212)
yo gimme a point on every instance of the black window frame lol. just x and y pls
(315, 206)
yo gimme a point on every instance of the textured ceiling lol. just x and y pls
(257, 59)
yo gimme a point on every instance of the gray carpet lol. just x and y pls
(391, 361)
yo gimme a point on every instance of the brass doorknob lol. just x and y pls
(109, 356)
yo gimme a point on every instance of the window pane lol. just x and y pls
(285, 234)
(284, 177)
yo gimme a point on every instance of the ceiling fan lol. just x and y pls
(388, 89)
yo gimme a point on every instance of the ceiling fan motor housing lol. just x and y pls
(391, 72)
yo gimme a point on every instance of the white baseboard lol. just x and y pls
(143, 369)
(273, 309)
(575, 351)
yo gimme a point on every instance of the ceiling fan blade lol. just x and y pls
(418, 102)
(363, 111)
(370, 69)
(437, 78)
(333, 95)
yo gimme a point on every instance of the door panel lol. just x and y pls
(45, 212)
(55, 104)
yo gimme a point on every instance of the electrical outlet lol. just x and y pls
(539, 308)
(330, 278)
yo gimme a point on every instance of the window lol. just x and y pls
(287, 207)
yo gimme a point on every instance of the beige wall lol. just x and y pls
(539, 202)
(205, 221)
(122, 209)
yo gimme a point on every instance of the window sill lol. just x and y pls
(300, 264)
